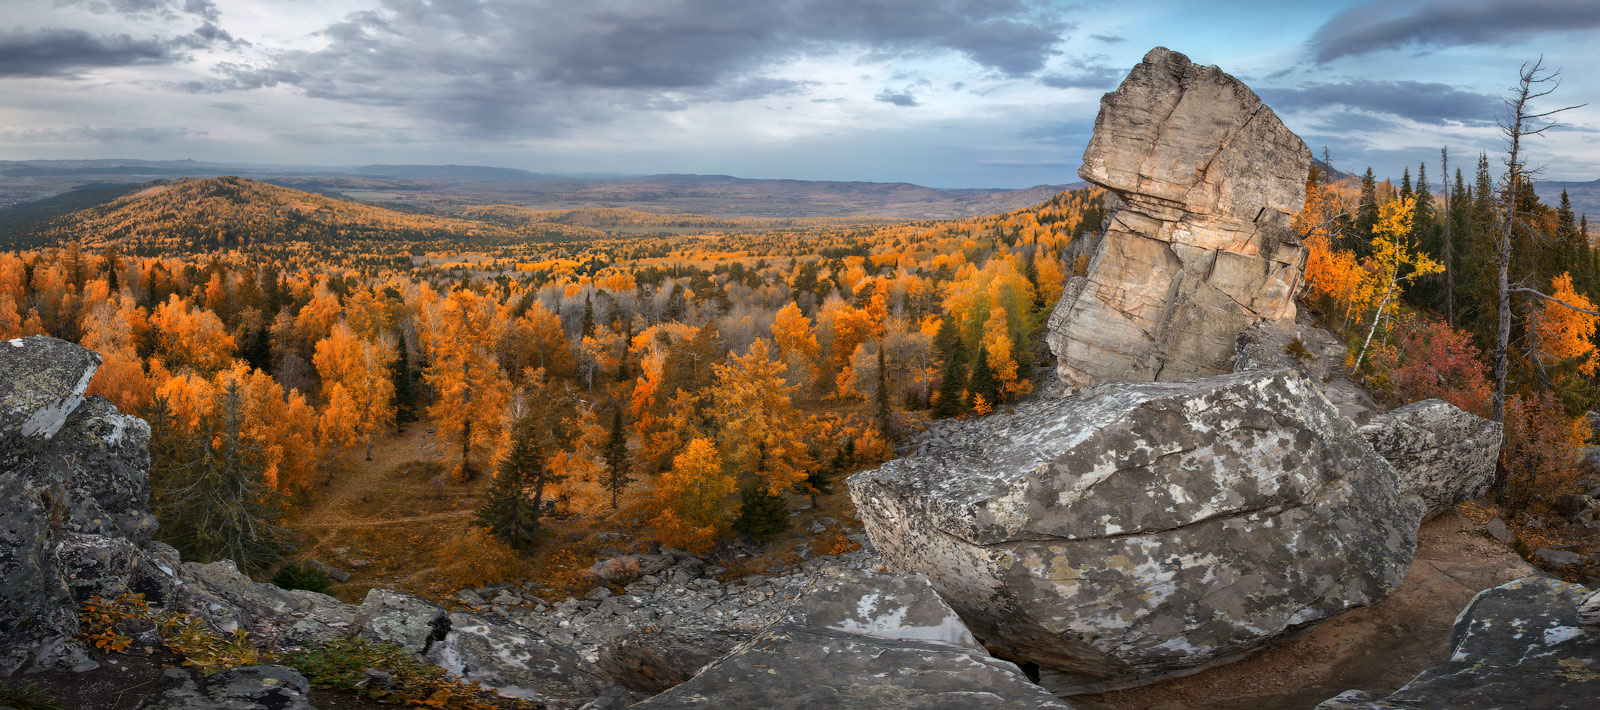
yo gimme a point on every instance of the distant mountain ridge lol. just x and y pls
(1585, 197)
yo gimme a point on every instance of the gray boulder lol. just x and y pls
(1589, 610)
(1441, 452)
(44, 381)
(1518, 645)
(228, 600)
(1135, 531)
(249, 688)
(412, 623)
(517, 663)
(1311, 351)
(807, 667)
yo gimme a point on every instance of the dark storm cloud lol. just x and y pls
(63, 52)
(1387, 24)
(1346, 121)
(508, 66)
(1419, 101)
(898, 98)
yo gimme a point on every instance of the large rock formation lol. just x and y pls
(1204, 180)
(1522, 644)
(1139, 530)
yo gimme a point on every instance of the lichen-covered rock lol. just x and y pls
(42, 381)
(1204, 180)
(518, 663)
(1311, 351)
(807, 667)
(1441, 452)
(1589, 610)
(406, 621)
(1140, 530)
(885, 605)
(248, 688)
(1518, 645)
(228, 600)
(103, 458)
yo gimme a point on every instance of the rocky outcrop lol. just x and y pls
(249, 688)
(1311, 351)
(808, 667)
(1203, 181)
(1441, 452)
(1589, 610)
(40, 445)
(517, 663)
(1140, 530)
(864, 640)
(650, 662)
(408, 622)
(1520, 644)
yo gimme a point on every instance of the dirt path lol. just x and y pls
(1379, 648)
(389, 521)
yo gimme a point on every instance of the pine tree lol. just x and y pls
(616, 454)
(586, 327)
(983, 382)
(511, 512)
(953, 379)
(1405, 184)
(405, 393)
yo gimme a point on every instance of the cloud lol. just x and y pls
(1388, 24)
(95, 134)
(1087, 73)
(499, 68)
(63, 52)
(1109, 39)
(900, 98)
(169, 9)
(1422, 102)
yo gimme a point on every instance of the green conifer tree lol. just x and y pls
(616, 455)
(516, 499)
(983, 381)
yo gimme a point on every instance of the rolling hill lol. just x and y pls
(1585, 196)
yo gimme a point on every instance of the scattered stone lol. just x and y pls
(248, 688)
(806, 668)
(621, 570)
(336, 574)
(1589, 610)
(1497, 529)
(1559, 558)
(1140, 530)
(1518, 645)
(1203, 182)
(412, 623)
(1441, 452)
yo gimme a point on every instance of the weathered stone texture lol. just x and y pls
(1140, 530)
(1204, 180)
(1518, 645)
(1441, 452)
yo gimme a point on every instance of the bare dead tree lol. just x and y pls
(1533, 82)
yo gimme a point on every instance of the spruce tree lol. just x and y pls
(953, 378)
(511, 512)
(210, 490)
(1366, 211)
(983, 382)
(616, 455)
(881, 412)
(761, 515)
(405, 394)
(586, 327)
(1405, 183)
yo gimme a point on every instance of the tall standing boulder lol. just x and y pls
(1203, 182)
(1135, 531)
(1441, 452)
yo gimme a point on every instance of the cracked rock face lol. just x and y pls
(1522, 644)
(248, 688)
(796, 667)
(517, 663)
(1441, 452)
(1140, 530)
(1204, 181)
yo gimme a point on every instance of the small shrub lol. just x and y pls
(1296, 349)
(342, 663)
(26, 696)
(184, 635)
(302, 575)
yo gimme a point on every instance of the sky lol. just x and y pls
(946, 93)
